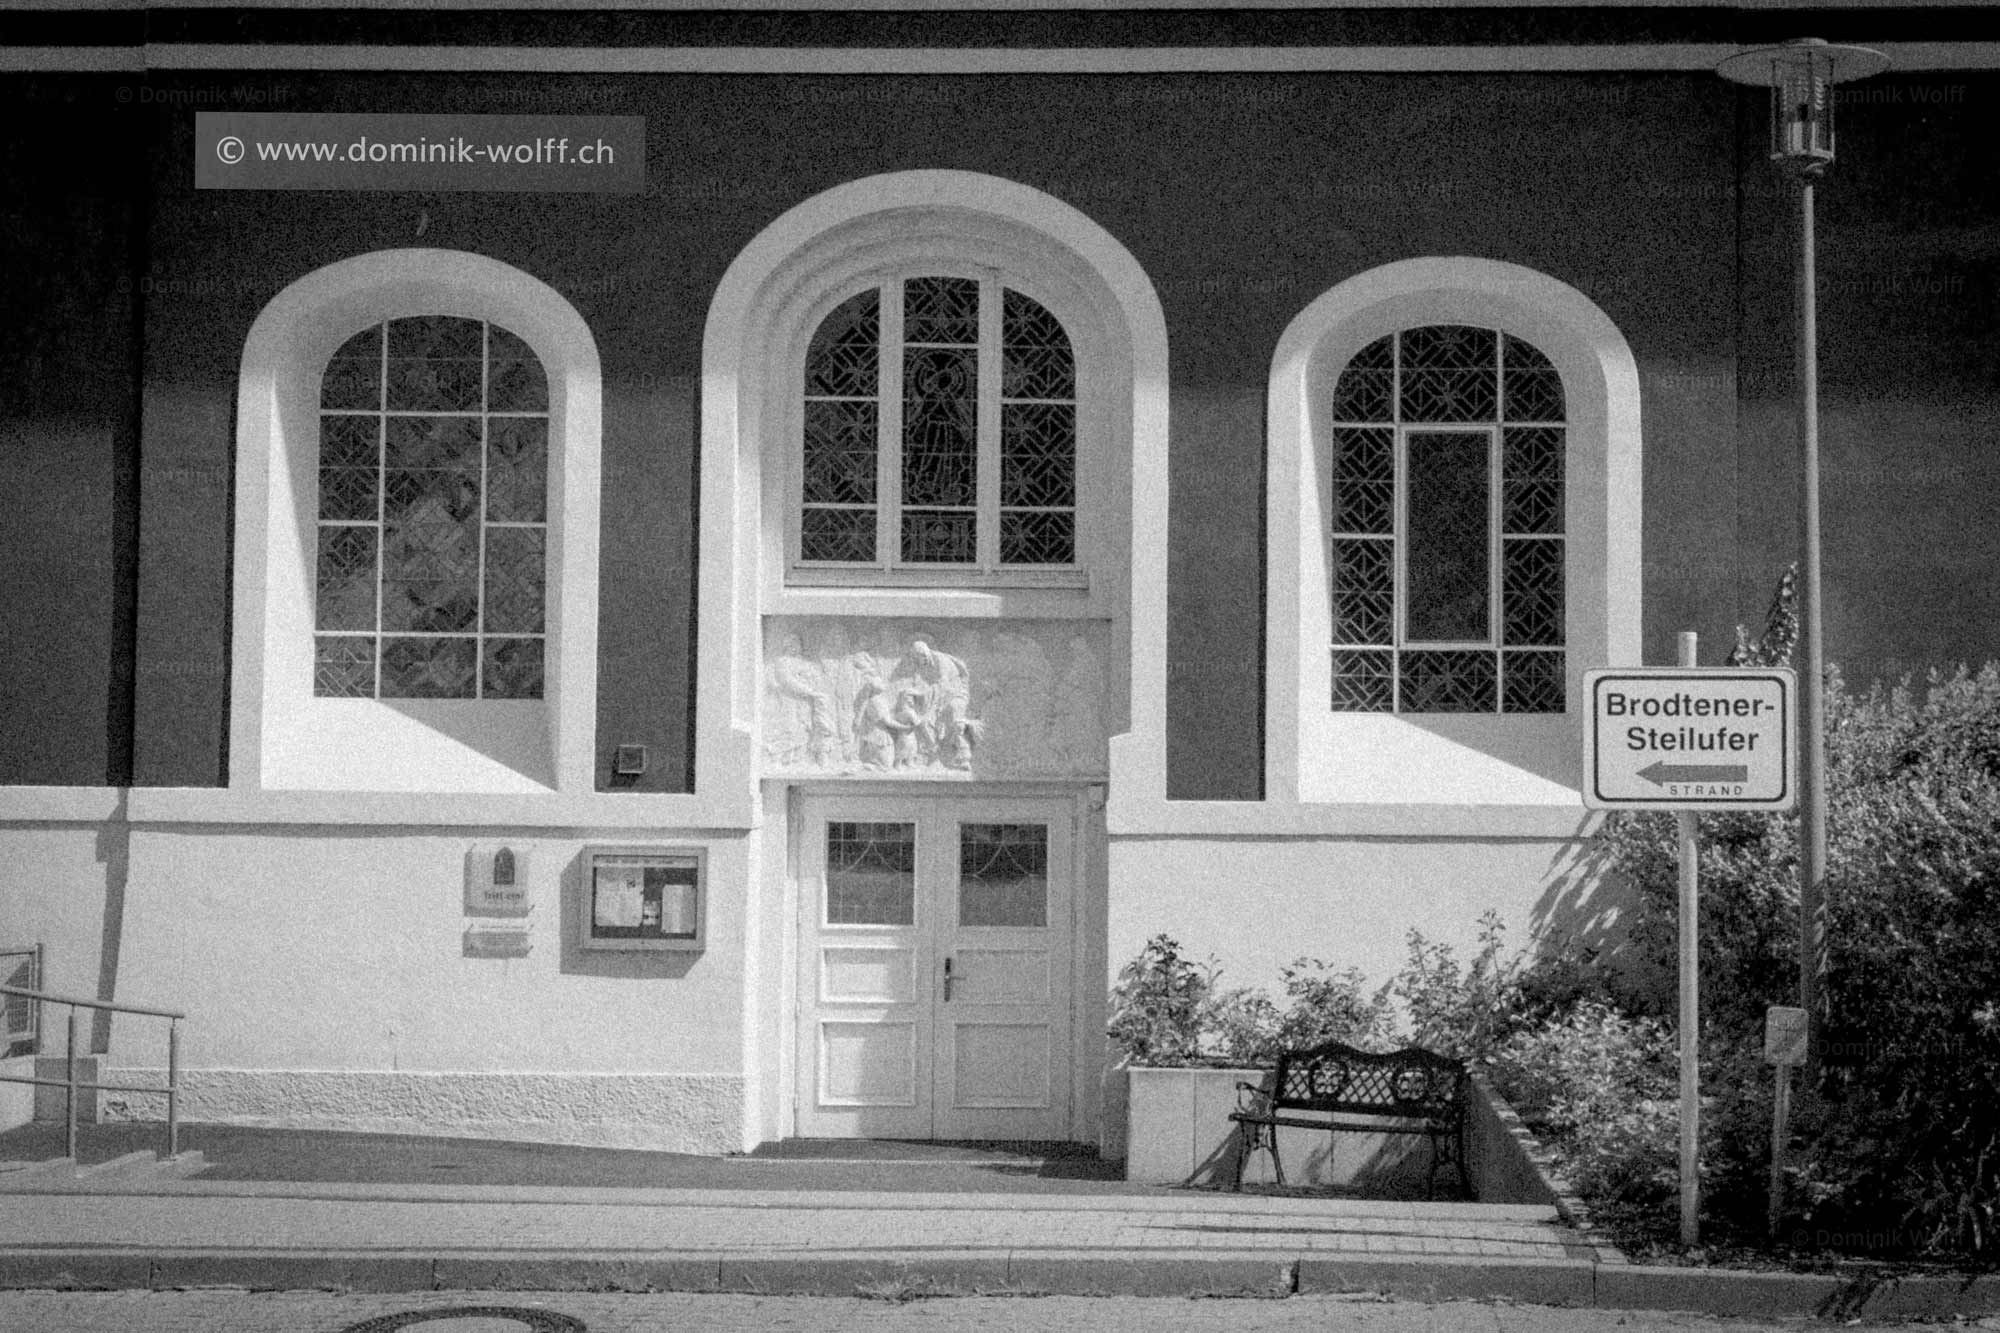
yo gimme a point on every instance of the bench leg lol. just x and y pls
(1249, 1138)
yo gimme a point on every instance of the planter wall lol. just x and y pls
(1178, 1131)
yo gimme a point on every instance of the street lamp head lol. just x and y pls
(1801, 76)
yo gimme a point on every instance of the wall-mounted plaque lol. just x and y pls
(497, 942)
(643, 898)
(496, 881)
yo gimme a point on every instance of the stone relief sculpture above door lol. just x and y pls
(890, 698)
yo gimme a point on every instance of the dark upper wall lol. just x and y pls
(1244, 197)
(68, 418)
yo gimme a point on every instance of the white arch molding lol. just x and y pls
(765, 310)
(281, 736)
(1316, 756)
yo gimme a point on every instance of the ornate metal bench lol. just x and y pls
(1411, 1091)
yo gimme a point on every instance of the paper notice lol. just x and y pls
(618, 898)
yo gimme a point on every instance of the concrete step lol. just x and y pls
(133, 1168)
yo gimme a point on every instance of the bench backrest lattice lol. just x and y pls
(1339, 1079)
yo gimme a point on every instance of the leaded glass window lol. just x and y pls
(939, 431)
(1447, 525)
(433, 514)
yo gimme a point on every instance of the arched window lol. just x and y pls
(1447, 525)
(939, 431)
(430, 575)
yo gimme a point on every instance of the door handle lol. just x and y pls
(947, 980)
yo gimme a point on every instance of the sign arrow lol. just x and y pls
(1662, 773)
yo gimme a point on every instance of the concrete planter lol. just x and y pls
(1178, 1131)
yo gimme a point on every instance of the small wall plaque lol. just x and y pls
(643, 898)
(496, 881)
(497, 942)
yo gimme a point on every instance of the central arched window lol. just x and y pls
(1447, 555)
(939, 432)
(433, 514)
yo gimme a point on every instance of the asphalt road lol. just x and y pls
(236, 1311)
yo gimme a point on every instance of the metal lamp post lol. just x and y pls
(1801, 76)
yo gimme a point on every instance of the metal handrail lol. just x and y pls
(69, 1080)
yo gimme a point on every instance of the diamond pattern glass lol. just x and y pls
(344, 666)
(1003, 875)
(436, 364)
(428, 668)
(1037, 537)
(1530, 388)
(941, 310)
(1531, 467)
(353, 376)
(1365, 391)
(842, 360)
(841, 445)
(1449, 682)
(345, 574)
(1532, 682)
(1459, 375)
(1364, 680)
(837, 534)
(1364, 590)
(1531, 591)
(511, 669)
(1448, 577)
(871, 874)
(1035, 357)
(517, 470)
(1037, 455)
(1447, 374)
(1364, 480)
(514, 580)
(417, 473)
(515, 381)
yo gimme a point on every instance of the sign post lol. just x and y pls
(1687, 739)
(1784, 1047)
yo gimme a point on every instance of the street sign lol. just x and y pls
(1681, 738)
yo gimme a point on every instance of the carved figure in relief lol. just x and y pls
(802, 683)
(947, 690)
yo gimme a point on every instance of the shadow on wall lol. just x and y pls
(1586, 911)
(114, 852)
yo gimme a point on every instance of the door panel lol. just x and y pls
(935, 949)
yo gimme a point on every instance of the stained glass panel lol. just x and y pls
(1364, 680)
(941, 426)
(515, 381)
(353, 376)
(428, 668)
(1531, 469)
(437, 363)
(1448, 578)
(1366, 388)
(1364, 480)
(1448, 373)
(1364, 590)
(514, 580)
(1003, 875)
(1031, 537)
(517, 469)
(939, 537)
(1533, 682)
(1530, 387)
(1531, 590)
(344, 666)
(350, 465)
(430, 554)
(511, 669)
(345, 578)
(840, 451)
(1449, 682)
(837, 534)
(1037, 455)
(842, 360)
(871, 874)
(1035, 357)
(941, 310)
